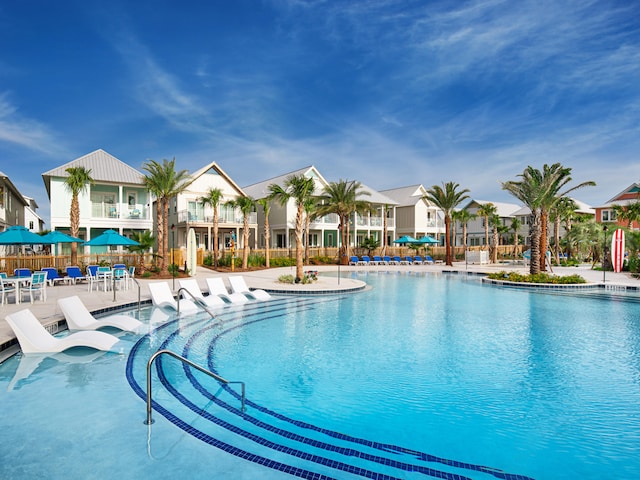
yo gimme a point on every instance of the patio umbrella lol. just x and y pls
(426, 240)
(405, 239)
(57, 237)
(19, 235)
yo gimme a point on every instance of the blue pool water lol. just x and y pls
(420, 376)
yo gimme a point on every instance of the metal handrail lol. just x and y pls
(139, 288)
(195, 300)
(150, 420)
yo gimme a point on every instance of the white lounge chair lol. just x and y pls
(161, 296)
(191, 286)
(79, 318)
(238, 285)
(34, 338)
(216, 287)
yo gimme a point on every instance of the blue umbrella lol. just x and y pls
(428, 240)
(406, 239)
(60, 237)
(111, 238)
(19, 235)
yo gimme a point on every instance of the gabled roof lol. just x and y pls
(375, 196)
(13, 188)
(503, 209)
(582, 208)
(261, 189)
(634, 188)
(105, 168)
(406, 196)
(214, 168)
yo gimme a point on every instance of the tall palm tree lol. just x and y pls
(385, 209)
(146, 241)
(213, 198)
(343, 199)
(496, 223)
(266, 208)
(446, 199)
(564, 209)
(554, 179)
(76, 183)
(629, 213)
(164, 182)
(311, 213)
(299, 188)
(528, 190)
(246, 206)
(486, 211)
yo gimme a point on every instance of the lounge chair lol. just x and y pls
(21, 272)
(216, 287)
(377, 260)
(79, 318)
(354, 260)
(162, 297)
(191, 286)
(52, 276)
(417, 260)
(397, 260)
(34, 338)
(238, 285)
(387, 260)
(75, 274)
(365, 260)
(407, 261)
(428, 260)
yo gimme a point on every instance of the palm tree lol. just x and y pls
(165, 183)
(76, 183)
(246, 206)
(496, 223)
(146, 241)
(515, 226)
(554, 178)
(266, 208)
(463, 216)
(310, 210)
(564, 209)
(486, 211)
(299, 188)
(527, 190)
(629, 213)
(385, 209)
(213, 198)
(342, 198)
(446, 199)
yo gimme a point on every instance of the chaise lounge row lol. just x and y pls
(387, 260)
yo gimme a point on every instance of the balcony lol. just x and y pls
(202, 219)
(119, 211)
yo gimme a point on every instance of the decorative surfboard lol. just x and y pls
(192, 252)
(617, 250)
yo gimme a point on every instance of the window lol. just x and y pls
(609, 216)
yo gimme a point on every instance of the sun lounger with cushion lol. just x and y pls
(34, 338)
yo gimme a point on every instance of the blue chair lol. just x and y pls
(52, 276)
(428, 260)
(377, 260)
(22, 272)
(6, 289)
(75, 274)
(386, 259)
(354, 260)
(417, 259)
(365, 260)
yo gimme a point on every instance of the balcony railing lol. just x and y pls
(119, 210)
(200, 218)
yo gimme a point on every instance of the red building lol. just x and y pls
(606, 214)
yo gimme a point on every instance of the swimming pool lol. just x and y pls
(420, 376)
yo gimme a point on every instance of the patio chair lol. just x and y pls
(216, 287)
(365, 260)
(407, 260)
(387, 260)
(22, 272)
(37, 286)
(396, 260)
(52, 276)
(354, 260)
(34, 338)
(191, 286)
(6, 289)
(120, 279)
(238, 285)
(162, 297)
(79, 318)
(377, 260)
(428, 260)
(75, 274)
(417, 260)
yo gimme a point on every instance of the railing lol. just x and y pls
(195, 300)
(119, 210)
(150, 420)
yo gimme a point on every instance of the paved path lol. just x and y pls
(49, 312)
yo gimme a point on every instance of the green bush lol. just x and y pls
(538, 278)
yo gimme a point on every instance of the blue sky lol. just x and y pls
(390, 93)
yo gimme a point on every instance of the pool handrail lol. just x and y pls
(195, 300)
(220, 379)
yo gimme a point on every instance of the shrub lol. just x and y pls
(538, 278)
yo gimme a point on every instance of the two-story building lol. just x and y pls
(606, 214)
(12, 204)
(188, 210)
(323, 231)
(476, 226)
(117, 199)
(415, 216)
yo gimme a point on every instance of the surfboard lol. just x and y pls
(192, 252)
(617, 250)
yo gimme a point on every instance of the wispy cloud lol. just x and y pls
(16, 129)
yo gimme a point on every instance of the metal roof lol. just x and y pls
(261, 189)
(105, 168)
(406, 196)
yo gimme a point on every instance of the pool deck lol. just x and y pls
(48, 311)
